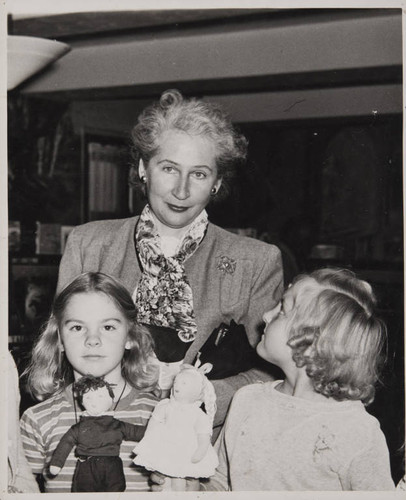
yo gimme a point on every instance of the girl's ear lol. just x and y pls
(60, 344)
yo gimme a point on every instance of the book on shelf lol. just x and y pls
(106, 178)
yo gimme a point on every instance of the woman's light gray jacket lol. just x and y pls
(251, 284)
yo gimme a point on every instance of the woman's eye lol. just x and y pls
(168, 168)
(200, 175)
(76, 328)
(109, 328)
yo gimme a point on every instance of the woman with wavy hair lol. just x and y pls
(186, 275)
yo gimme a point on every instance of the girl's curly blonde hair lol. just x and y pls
(335, 335)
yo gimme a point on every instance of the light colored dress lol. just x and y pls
(272, 441)
(170, 442)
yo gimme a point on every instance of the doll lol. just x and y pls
(177, 439)
(97, 437)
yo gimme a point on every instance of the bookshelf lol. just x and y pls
(106, 163)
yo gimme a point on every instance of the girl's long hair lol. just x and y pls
(49, 370)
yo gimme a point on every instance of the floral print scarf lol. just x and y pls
(164, 296)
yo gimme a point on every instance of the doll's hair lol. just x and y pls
(335, 335)
(195, 117)
(91, 383)
(207, 394)
(50, 372)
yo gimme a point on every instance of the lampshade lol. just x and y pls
(26, 55)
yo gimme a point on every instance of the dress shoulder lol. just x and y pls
(249, 395)
(255, 389)
(53, 403)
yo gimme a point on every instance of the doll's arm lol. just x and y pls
(61, 452)
(203, 442)
(203, 434)
(54, 470)
(132, 432)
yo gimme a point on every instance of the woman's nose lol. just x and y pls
(181, 189)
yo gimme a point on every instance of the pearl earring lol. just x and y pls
(214, 191)
(143, 179)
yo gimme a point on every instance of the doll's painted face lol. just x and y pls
(187, 387)
(97, 401)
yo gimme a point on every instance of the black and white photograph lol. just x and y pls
(203, 254)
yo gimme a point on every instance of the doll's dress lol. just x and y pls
(170, 442)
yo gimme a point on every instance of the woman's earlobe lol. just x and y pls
(128, 345)
(217, 186)
(141, 170)
(215, 189)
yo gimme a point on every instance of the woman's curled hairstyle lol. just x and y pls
(336, 336)
(194, 117)
(49, 371)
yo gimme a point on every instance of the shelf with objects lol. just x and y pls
(106, 164)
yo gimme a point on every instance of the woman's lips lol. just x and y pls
(177, 208)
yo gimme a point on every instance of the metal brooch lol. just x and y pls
(226, 264)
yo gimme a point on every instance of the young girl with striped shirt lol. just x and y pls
(91, 330)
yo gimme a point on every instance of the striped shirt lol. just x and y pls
(43, 425)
